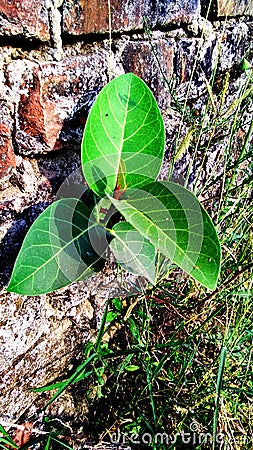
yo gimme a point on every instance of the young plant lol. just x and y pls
(122, 153)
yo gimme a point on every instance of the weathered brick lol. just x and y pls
(235, 7)
(234, 46)
(91, 16)
(24, 17)
(175, 11)
(138, 58)
(7, 157)
(53, 100)
(230, 46)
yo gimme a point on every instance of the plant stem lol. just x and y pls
(218, 392)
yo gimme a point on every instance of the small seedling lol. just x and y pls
(122, 153)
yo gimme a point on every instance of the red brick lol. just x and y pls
(51, 100)
(24, 17)
(235, 7)
(7, 157)
(91, 16)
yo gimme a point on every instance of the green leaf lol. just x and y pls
(117, 303)
(60, 443)
(111, 315)
(132, 368)
(61, 384)
(6, 439)
(133, 252)
(124, 133)
(57, 250)
(9, 443)
(134, 329)
(175, 223)
(246, 65)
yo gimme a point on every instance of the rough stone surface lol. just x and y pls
(25, 17)
(52, 100)
(35, 334)
(42, 338)
(40, 331)
(235, 8)
(7, 157)
(139, 58)
(91, 16)
(234, 45)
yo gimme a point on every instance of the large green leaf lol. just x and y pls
(175, 223)
(133, 251)
(124, 133)
(57, 250)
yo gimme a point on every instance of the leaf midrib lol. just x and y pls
(117, 202)
(53, 257)
(124, 125)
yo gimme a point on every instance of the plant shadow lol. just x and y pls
(12, 241)
(61, 170)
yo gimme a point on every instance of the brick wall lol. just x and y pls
(54, 58)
